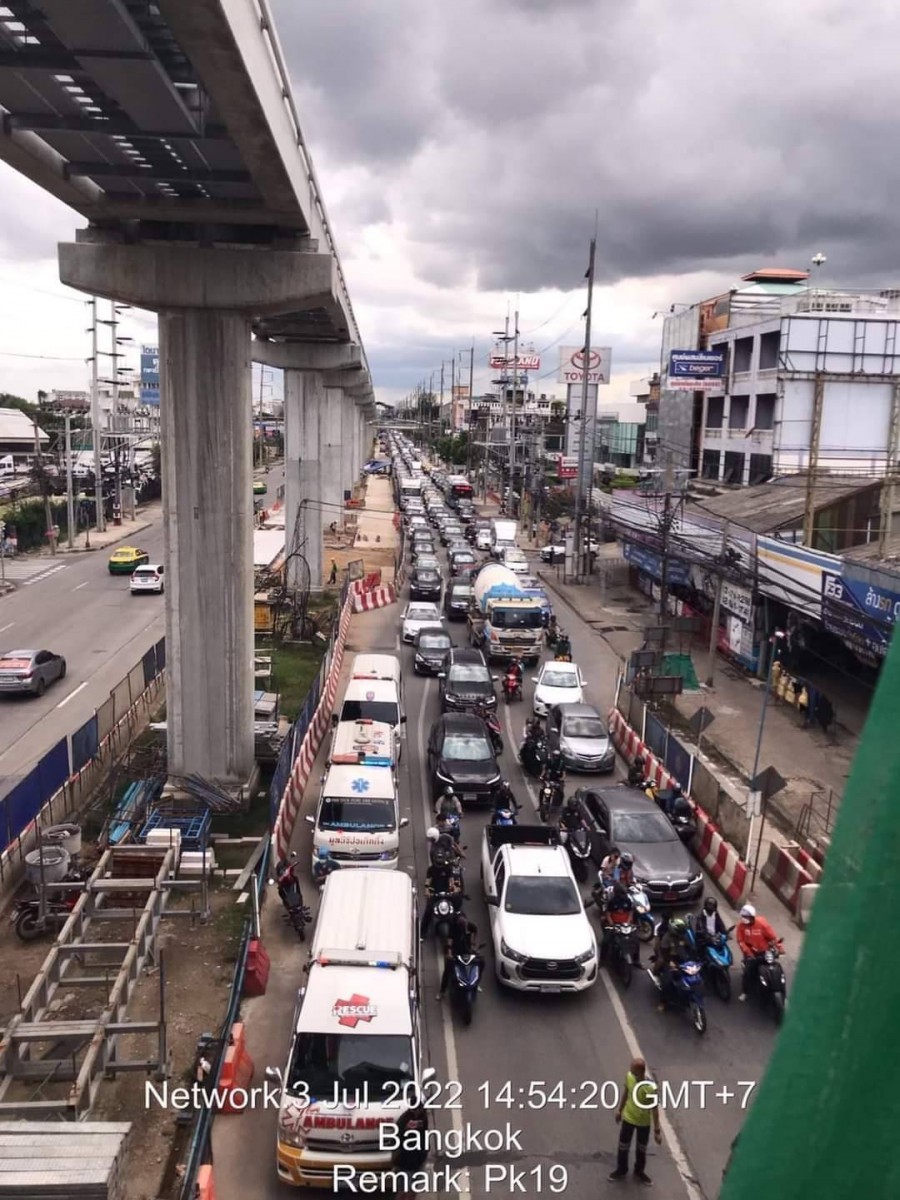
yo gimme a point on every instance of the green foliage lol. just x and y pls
(30, 523)
(453, 448)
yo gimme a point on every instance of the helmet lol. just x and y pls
(448, 791)
(556, 752)
(323, 852)
(432, 834)
(677, 925)
(748, 913)
(710, 904)
(572, 803)
(504, 783)
(627, 861)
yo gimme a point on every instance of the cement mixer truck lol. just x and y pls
(504, 621)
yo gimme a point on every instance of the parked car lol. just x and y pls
(460, 756)
(466, 681)
(425, 584)
(416, 616)
(557, 683)
(30, 672)
(456, 600)
(581, 735)
(623, 816)
(432, 645)
(148, 578)
(557, 553)
(124, 560)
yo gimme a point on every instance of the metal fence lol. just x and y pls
(72, 754)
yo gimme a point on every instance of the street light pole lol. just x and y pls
(70, 492)
(584, 410)
(99, 515)
(513, 508)
(776, 637)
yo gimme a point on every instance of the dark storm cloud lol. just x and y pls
(706, 136)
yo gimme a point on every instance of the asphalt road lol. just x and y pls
(90, 617)
(532, 1042)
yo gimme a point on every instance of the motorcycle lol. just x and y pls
(715, 955)
(563, 651)
(504, 816)
(533, 755)
(465, 980)
(443, 910)
(643, 917)
(621, 949)
(448, 822)
(676, 807)
(26, 914)
(771, 986)
(493, 727)
(512, 687)
(551, 634)
(296, 913)
(578, 846)
(686, 991)
(551, 796)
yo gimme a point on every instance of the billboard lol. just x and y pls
(693, 370)
(566, 467)
(521, 362)
(149, 374)
(571, 364)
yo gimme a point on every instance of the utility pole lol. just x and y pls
(812, 467)
(95, 421)
(888, 487)
(116, 420)
(513, 510)
(48, 512)
(717, 605)
(441, 404)
(579, 498)
(431, 404)
(452, 392)
(470, 409)
(70, 494)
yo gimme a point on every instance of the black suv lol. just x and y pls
(460, 756)
(425, 584)
(466, 681)
(456, 601)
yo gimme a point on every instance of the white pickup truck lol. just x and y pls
(543, 941)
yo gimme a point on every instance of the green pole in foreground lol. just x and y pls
(824, 1122)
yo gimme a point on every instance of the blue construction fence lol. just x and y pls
(71, 754)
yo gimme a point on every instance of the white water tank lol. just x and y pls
(55, 865)
(495, 580)
(66, 836)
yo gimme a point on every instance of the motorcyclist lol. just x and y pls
(505, 798)
(570, 818)
(554, 768)
(439, 880)
(325, 863)
(636, 772)
(618, 909)
(708, 922)
(626, 869)
(463, 940)
(515, 669)
(671, 948)
(754, 936)
(533, 730)
(448, 804)
(610, 867)
(563, 646)
(288, 885)
(552, 632)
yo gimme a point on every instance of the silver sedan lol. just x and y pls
(30, 671)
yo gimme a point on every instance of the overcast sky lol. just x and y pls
(463, 150)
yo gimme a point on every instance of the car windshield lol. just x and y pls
(423, 614)
(434, 641)
(325, 1063)
(516, 618)
(541, 896)
(466, 747)
(385, 711)
(460, 556)
(461, 593)
(469, 673)
(559, 679)
(583, 727)
(357, 812)
(428, 561)
(642, 827)
(426, 575)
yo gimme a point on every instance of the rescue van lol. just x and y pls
(377, 666)
(358, 816)
(355, 1059)
(364, 743)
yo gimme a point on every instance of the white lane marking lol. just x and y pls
(79, 586)
(671, 1137)
(45, 574)
(446, 1007)
(3, 628)
(72, 694)
(513, 743)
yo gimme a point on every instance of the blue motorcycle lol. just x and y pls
(466, 978)
(504, 816)
(685, 992)
(448, 822)
(715, 954)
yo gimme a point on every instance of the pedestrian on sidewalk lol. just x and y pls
(638, 1110)
(332, 578)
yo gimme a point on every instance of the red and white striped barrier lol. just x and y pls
(292, 798)
(378, 597)
(785, 875)
(719, 858)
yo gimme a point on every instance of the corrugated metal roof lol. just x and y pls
(766, 507)
(16, 426)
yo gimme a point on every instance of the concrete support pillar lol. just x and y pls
(304, 397)
(331, 454)
(351, 442)
(207, 479)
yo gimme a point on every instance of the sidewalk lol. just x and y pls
(810, 761)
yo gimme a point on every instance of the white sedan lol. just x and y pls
(558, 683)
(416, 616)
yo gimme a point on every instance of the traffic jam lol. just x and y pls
(536, 881)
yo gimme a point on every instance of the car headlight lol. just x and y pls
(508, 952)
(698, 878)
(494, 779)
(564, 745)
(586, 956)
(293, 1137)
(444, 778)
(387, 855)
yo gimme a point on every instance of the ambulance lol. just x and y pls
(358, 816)
(364, 743)
(355, 1059)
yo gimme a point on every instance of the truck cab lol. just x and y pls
(355, 1057)
(543, 940)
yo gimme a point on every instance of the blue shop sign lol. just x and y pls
(647, 560)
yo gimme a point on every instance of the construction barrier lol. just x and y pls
(785, 874)
(205, 1187)
(377, 597)
(303, 764)
(805, 900)
(237, 1069)
(256, 975)
(717, 856)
